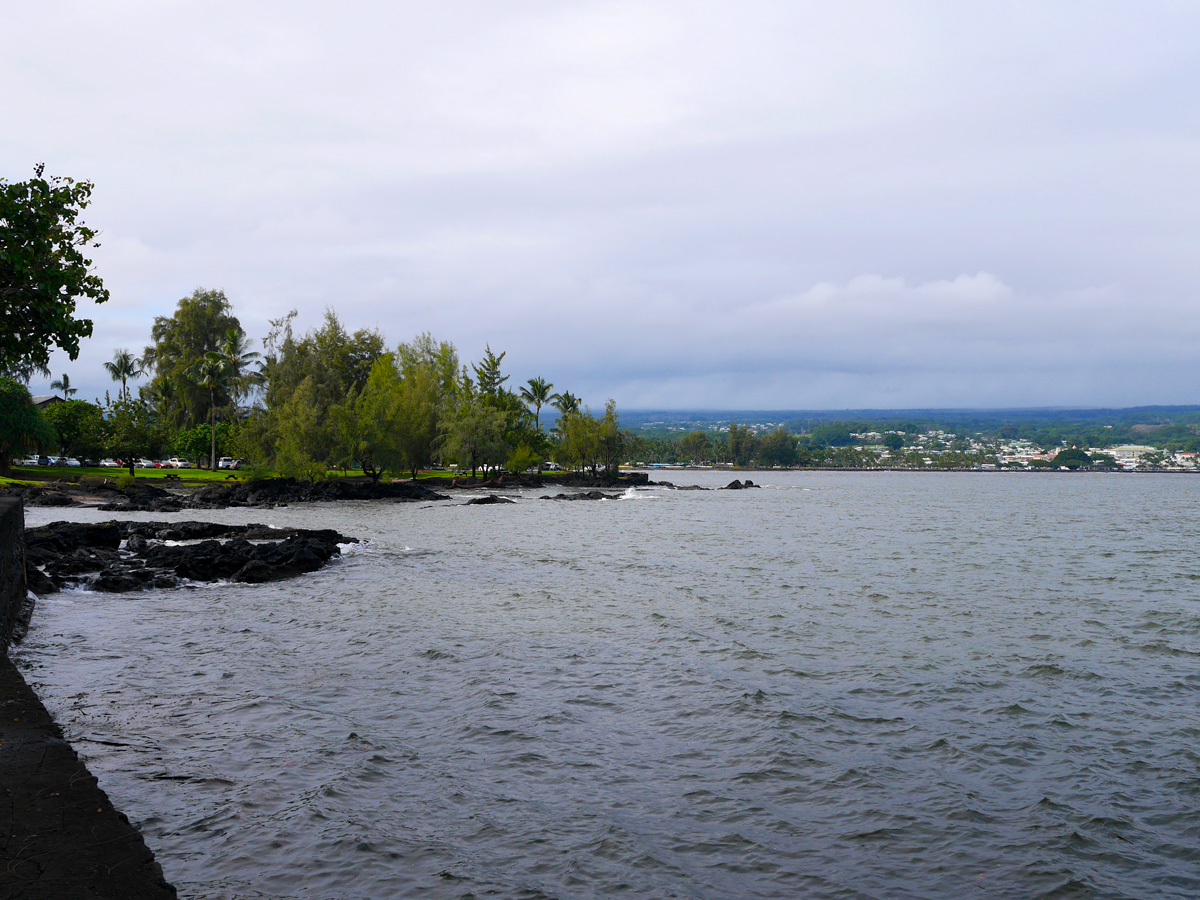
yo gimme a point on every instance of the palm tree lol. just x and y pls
(537, 393)
(124, 366)
(64, 385)
(239, 359)
(566, 403)
(211, 371)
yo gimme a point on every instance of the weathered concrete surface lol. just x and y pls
(60, 837)
(12, 567)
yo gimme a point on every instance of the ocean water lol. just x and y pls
(843, 685)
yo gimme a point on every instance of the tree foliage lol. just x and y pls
(43, 271)
(78, 426)
(22, 427)
(134, 431)
(200, 325)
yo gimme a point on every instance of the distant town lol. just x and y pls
(1159, 439)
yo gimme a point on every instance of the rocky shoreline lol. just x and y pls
(110, 495)
(113, 495)
(127, 556)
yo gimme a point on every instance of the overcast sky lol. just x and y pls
(753, 205)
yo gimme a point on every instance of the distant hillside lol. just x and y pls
(1177, 427)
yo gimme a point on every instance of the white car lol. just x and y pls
(176, 463)
(225, 462)
(144, 464)
(109, 464)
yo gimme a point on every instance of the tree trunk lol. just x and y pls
(212, 427)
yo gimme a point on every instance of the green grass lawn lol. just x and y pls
(74, 473)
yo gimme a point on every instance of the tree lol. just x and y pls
(893, 442)
(743, 445)
(566, 403)
(694, 447)
(200, 325)
(611, 440)
(79, 426)
(334, 362)
(1072, 458)
(300, 429)
(124, 366)
(64, 384)
(487, 374)
(43, 272)
(537, 393)
(779, 447)
(211, 372)
(239, 359)
(133, 431)
(22, 427)
(474, 435)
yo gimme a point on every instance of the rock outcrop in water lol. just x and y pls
(281, 491)
(736, 485)
(128, 556)
(585, 495)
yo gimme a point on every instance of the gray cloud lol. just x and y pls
(782, 205)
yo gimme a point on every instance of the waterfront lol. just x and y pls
(842, 685)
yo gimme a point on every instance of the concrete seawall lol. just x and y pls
(60, 837)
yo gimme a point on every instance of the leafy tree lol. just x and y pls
(743, 445)
(488, 378)
(537, 393)
(1072, 458)
(300, 430)
(431, 389)
(333, 362)
(577, 442)
(43, 272)
(134, 431)
(22, 427)
(79, 426)
(779, 448)
(200, 325)
(893, 442)
(124, 366)
(211, 371)
(474, 434)
(695, 447)
(834, 435)
(523, 458)
(64, 384)
(611, 439)
(195, 444)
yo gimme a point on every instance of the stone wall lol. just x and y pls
(12, 567)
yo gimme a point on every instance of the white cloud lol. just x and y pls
(673, 204)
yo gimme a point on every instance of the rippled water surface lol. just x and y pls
(840, 686)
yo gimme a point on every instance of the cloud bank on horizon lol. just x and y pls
(774, 205)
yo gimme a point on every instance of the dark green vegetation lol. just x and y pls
(327, 399)
(43, 272)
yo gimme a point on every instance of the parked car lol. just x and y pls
(29, 461)
(110, 464)
(145, 464)
(225, 462)
(176, 463)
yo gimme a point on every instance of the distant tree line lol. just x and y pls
(326, 399)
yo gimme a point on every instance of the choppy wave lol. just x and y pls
(856, 685)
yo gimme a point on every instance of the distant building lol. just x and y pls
(41, 401)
